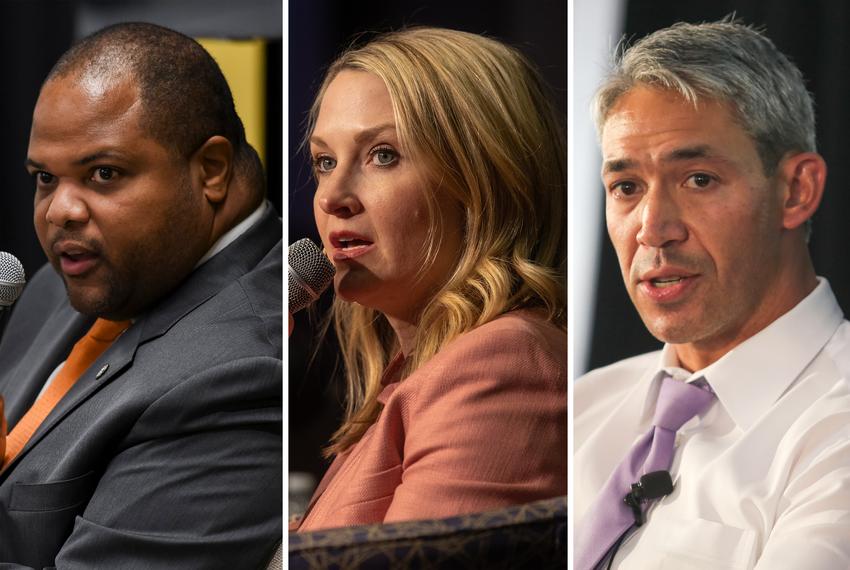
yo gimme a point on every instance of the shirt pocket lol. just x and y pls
(700, 544)
(52, 496)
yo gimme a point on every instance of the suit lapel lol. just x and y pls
(118, 357)
(50, 347)
(214, 275)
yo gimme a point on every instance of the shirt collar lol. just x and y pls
(233, 233)
(751, 377)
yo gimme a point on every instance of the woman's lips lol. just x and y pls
(349, 246)
(350, 250)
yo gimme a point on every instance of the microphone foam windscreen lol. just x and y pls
(12, 279)
(310, 273)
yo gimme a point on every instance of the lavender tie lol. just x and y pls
(609, 516)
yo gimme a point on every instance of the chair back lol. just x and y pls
(524, 536)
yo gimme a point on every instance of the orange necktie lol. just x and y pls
(99, 337)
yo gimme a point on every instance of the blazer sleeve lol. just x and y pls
(485, 426)
(191, 490)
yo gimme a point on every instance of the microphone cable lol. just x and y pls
(651, 486)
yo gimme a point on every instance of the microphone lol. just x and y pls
(310, 273)
(651, 486)
(12, 279)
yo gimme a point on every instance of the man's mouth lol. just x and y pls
(75, 265)
(75, 259)
(668, 288)
(664, 282)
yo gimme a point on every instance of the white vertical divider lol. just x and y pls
(597, 26)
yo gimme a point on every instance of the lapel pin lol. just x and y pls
(102, 371)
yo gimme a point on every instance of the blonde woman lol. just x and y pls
(441, 201)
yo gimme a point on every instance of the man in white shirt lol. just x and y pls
(711, 175)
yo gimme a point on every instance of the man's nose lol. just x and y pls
(67, 206)
(661, 220)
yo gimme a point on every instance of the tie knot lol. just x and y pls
(107, 331)
(678, 402)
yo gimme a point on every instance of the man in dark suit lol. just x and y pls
(149, 203)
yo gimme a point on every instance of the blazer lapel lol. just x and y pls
(323, 484)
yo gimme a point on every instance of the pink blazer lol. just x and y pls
(482, 425)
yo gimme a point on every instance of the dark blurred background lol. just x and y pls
(318, 31)
(813, 34)
(37, 32)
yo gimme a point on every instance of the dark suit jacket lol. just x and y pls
(172, 458)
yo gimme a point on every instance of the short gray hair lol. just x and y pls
(724, 61)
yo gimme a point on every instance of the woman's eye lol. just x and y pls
(104, 174)
(384, 157)
(324, 163)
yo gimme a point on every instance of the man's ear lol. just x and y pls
(804, 175)
(212, 165)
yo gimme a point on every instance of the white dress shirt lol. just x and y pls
(762, 479)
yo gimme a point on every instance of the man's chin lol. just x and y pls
(92, 303)
(672, 329)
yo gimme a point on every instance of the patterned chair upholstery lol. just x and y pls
(523, 536)
(276, 563)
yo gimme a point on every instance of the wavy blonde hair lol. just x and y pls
(476, 116)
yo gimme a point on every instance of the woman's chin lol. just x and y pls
(353, 289)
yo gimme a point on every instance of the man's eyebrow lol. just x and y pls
(88, 159)
(97, 156)
(31, 163)
(689, 153)
(617, 165)
(679, 154)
